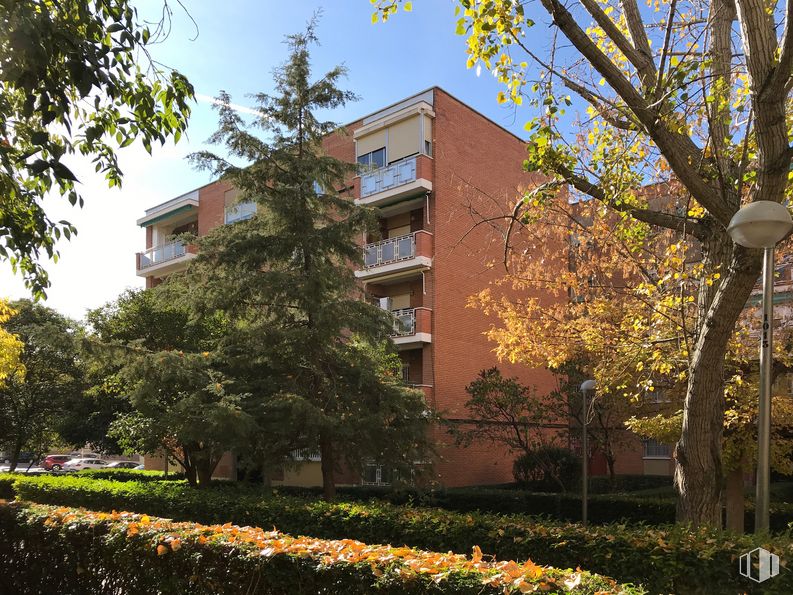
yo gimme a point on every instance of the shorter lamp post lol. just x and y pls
(761, 224)
(587, 390)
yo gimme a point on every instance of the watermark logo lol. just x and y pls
(759, 565)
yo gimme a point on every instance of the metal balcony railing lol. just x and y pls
(162, 253)
(384, 178)
(404, 322)
(305, 455)
(390, 250)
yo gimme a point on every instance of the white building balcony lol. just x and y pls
(162, 260)
(397, 181)
(175, 208)
(397, 257)
(412, 327)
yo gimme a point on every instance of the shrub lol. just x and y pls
(7, 485)
(131, 475)
(92, 552)
(673, 559)
(603, 508)
(550, 467)
(599, 484)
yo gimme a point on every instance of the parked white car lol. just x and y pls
(123, 465)
(78, 464)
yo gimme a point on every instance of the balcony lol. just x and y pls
(412, 327)
(399, 180)
(397, 257)
(162, 260)
(182, 206)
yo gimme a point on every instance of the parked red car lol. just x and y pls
(55, 462)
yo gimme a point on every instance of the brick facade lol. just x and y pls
(475, 168)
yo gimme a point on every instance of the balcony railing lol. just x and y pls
(390, 250)
(162, 253)
(404, 322)
(394, 175)
(305, 455)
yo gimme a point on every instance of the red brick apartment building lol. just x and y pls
(433, 162)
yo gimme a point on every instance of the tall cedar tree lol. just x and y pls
(314, 350)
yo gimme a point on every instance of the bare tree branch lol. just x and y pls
(642, 62)
(636, 28)
(682, 153)
(684, 225)
(670, 19)
(784, 68)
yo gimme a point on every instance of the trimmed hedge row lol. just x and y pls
(602, 509)
(131, 475)
(566, 507)
(673, 559)
(90, 552)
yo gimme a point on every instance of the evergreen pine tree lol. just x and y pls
(312, 353)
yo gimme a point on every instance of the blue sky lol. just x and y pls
(238, 45)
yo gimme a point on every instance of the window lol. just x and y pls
(240, 212)
(406, 373)
(375, 475)
(428, 148)
(656, 450)
(372, 160)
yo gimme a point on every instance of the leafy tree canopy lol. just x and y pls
(71, 82)
(31, 403)
(684, 117)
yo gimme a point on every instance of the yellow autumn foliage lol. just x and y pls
(10, 348)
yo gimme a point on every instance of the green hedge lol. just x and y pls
(44, 549)
(603, 509)
(600, 484)
(131, 475)
(672, 559)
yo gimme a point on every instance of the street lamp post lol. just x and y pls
(587, 389)
(761, 224)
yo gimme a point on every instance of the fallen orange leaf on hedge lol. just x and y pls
(406, 562)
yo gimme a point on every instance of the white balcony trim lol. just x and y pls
(412, 341)
(190, 199)
(395, 269)
(166, 267)
(392, 195)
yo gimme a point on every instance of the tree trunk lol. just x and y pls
(611, 461)
(328, 464)
(204, 469)
(267, 478)
(698, 473)
(12, 464)
(735, 500)
(189, 468)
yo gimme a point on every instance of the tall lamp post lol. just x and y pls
(761, 224)
(587, 392)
